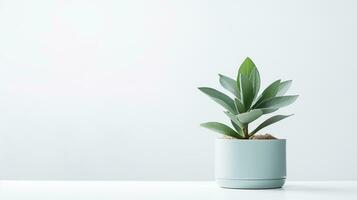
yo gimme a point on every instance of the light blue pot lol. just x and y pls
(250, 164)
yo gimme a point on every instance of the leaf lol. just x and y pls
(220, 98)
(255, 79)
(229, 84)
(221, 128)
(284, 87)
(250, 116)
(239, 106)
(278, 102)
(246, 69)
(238, 129)
(268, 110)
(269, 92)
(234, 119)
(246, 91)
(268, 122)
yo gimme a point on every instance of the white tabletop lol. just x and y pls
(126, 190)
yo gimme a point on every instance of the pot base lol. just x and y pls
(250, 183)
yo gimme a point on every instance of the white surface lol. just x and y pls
(104, 190)
(93, 89)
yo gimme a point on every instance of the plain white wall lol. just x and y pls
(107, 89)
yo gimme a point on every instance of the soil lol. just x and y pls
(263, 137)
(255, 137)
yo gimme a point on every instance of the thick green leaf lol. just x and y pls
(284, 87)
(268, 110)
(238, 129)
(247, 68)
(255, 79)
(278, 102)
(220, 98)
(246, 91)
(239, 106)
(229, 84)
(234, 119)
(268, 122)
(221, 128)
(250, 116)
(269, 92)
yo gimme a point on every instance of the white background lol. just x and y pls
(108, 89)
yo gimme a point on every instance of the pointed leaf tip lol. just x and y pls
(284, 87)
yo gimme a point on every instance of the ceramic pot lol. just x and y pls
(250, 164)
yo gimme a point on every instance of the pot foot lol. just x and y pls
(250, 183)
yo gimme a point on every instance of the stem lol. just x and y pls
(245, 132)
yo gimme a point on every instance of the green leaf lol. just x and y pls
(255, 79)
(250, 116)
(239, 106)
(247, 68)
(238, 129)
(220, 98)
(246, 91)
(284, 87)
(268, 110)
(268, 122)
(229, 84)
(278, 102)
(221, 128)
(234, 119)
(269, 92)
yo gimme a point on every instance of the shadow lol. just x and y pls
(318, 189)
(297, 190)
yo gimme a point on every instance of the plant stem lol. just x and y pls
(245, 131)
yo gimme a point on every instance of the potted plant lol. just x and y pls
(244, 159)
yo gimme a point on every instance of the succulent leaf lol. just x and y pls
(248, 69)
(237, 128)
(268, 122)
(220, 98)
(239, 106)
(255, 79)
(229, 84)
(250, 116)
(246, 91)
(284, 87)
(278, 102)
(234, 119)
(269, 92)
(221, 128)
(268, 110)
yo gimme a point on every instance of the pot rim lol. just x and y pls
(246, 140)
